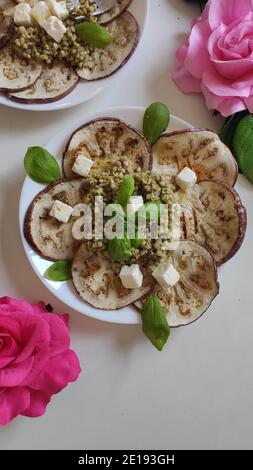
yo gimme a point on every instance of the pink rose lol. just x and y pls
(218, 60)
(35, 359)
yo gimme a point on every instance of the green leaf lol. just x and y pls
(59, 271)
(243, 145)
(154, 322)
(137, 242)
(41, 166)
(94, 34)
(227, 131)
(119, 249)
(126, 190)
(155, 122)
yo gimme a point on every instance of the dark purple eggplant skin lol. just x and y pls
(7, 29)
(108, 119)
(44, 100)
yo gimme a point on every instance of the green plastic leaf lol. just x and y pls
(126, 190)
(243, 145)
(59, 271)
(41, 166)
(155, 122)
(119, 249)
(94, 34)
(154, 322)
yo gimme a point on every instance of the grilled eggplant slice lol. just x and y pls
(125, 34)
(198, 285)
(55, 83)
(213, 215)
(15, 74)
(105, 140)
(48, 237)
(120, 7)
(6, 30)
(198, 149)
(98, 285)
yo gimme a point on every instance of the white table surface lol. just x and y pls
(198, 393)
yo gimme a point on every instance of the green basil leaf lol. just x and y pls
(59, 271)
(119, 249)
(243, 145)
(126, 190)
(137, 242)
(94, 34)
(156, 121)
(41, 166)
(154, 322)
(151, 210)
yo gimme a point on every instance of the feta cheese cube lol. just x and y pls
(166, 275)
(58, 9)
(82, 165)
(60, 211)
(22, 15)
(186, 179)
(134, 204)
(55, 28)
(40, 13)
(131, 276)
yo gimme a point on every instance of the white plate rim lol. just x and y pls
(127, 315)
(99, 85)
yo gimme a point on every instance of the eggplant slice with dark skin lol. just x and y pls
(199, 149)
(125, 34)
(48, 237)
(198, 285)
(15, 75)
(213, 215)
(98, 285)
(54, 84)
(120, 7)
(105, 140)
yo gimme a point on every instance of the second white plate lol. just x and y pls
(86, 91)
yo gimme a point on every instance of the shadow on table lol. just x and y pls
(27, 286)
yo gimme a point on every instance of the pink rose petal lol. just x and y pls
(227, 11)
(12, 402)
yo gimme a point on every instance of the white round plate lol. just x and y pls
(85, 91)
(65, 291)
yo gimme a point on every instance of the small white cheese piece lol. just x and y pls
(134, 204)
(186, 179)
(131, 276)
(61, 211)
(22, 15)
(166, 275)
(82, 165)
(40, 13)
(55, 28)
(58, 9)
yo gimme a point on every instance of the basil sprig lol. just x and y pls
(59, 271)
(119, 249)
(94, 34)
(243, 144)
(154, 322)
(41, 166)
(155, 122)
(125, 191)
